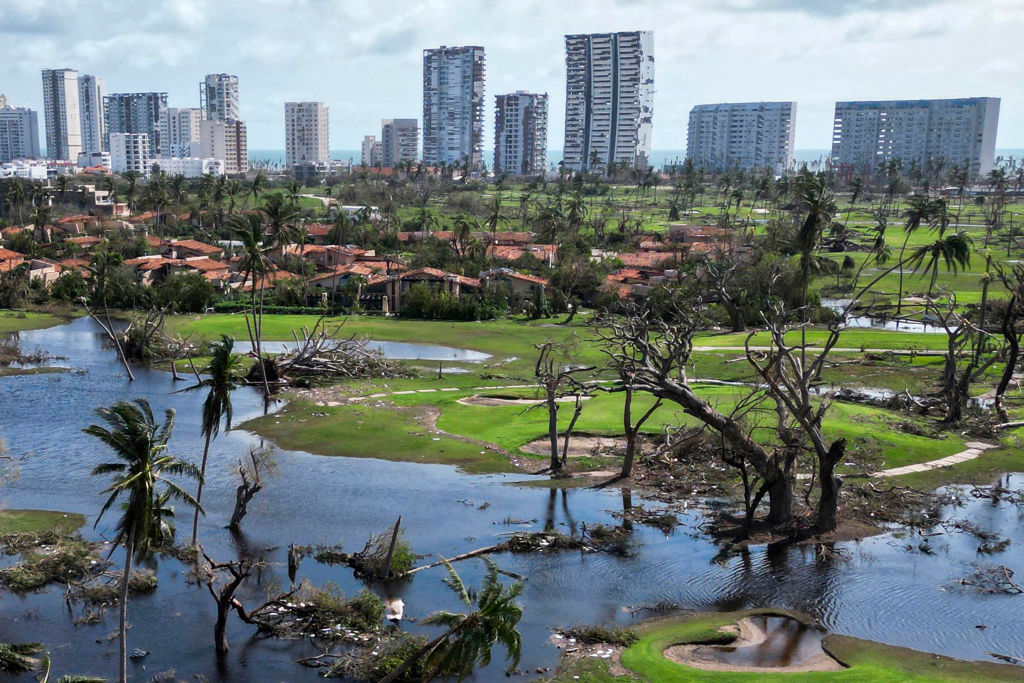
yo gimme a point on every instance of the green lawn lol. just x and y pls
(17, 321)
(21, 521)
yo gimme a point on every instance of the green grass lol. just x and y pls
(18, 321)
(855, 338)
(866, 660)
(21, 521)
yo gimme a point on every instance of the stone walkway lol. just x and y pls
(974, 449)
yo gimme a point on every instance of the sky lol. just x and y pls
(363, 58)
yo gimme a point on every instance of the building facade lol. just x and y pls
(748, 136)
(521, 133)
(306, 133)
(218, 97)
(225, 140)
(19, 132)
(865, 135)
(191, 167)
(372, 154)
(399, 141)
(609, 99)
(179, 127)
(130, 152)
(90, 103)
(62, 114)
(136, 112)
(453, 105)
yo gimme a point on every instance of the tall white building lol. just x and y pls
(130, 152)
(748, 136)
(521, 133)
(90, 104)
(372, 152)
(306, 135)
(136, 112)
(179, 127)
(957, 131)
(609, 99)
(61, 114)
(19, 132)
(453, 105)
(191, 167)
(218, 97)
(225, 140)
(399, 141)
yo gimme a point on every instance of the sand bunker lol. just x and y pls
(492, 401)
(581, 446)
(764, 644)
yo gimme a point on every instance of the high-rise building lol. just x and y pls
(179, 127)
(609, 99)
(453, 105)
(61, 114)
(218, 97)
(520, 133)
(225, 140)
(306, 133)
(960, 131)
(19, 132)
(130, 152)
(90, 104)
(136, 112)
(399, 141)
(747, 136)
(372, 152)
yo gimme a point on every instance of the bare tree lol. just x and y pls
(964, 339)
(251, 475)
(1010, 327)
(222, 579)
(557, 377)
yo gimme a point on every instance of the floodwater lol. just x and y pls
(880, 322)
(398, 351)
(787, 642)
(875, 588)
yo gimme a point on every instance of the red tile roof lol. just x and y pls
(646, 259)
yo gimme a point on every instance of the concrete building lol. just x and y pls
(225, 140)
(372, 152)
(520, 133)
(136, 112)
(191, 167)
(90, 104)
(399, 140)
(94, 160)
(453, 105)
(609, 99)
(218, 97)
(306, 133)
(958, 131)
(19, 132)
(130, 152)
(748, 136)
(62, 114)
(179, 126)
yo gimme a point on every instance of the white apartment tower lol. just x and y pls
(609, 99)
(521, 133)
(225, 140)
(19, 132)
(90, 103)
(372, 152)
(748, 136)
(130, 152)
(305, 133)
(179, 128)
(399, 141)
(61, 114)
(957, 131)
(453, 105)
(218, 97)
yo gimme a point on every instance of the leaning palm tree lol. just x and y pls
(140, 444)
(255, 266)
(256, 188)
(920, 211)
(223, 376)
(952, 250)
(468, 640)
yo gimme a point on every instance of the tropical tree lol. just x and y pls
(256, 188)
(952, 250)
(255, 266)
(469, 637)
(224, 375)
(281, 217)
(143, 462)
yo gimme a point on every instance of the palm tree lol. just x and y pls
(920, 211)
(224, 376)
(281, 217)
(468, 640)
(15, 198)
(256, 188)
(494, 218)
(953, 250)
(255, 266)
(132, 190)
(140, 445)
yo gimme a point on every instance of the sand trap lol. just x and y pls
(764, 644)
(493, 401)
(581, 446)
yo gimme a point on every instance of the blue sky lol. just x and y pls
(363, 57)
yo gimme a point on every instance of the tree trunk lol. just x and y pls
(1012, 355)
(123, 609)
(220, 628)
(199, 491)
(780, 500)
(556, 464)
(415, 656)
(828, 502)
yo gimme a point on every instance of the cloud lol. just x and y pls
(392, 42)
(826, 8)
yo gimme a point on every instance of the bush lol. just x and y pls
(429, 304)
(184, 293)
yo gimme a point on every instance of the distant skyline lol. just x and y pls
(363, 59)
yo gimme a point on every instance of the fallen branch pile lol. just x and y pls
(321, 353)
